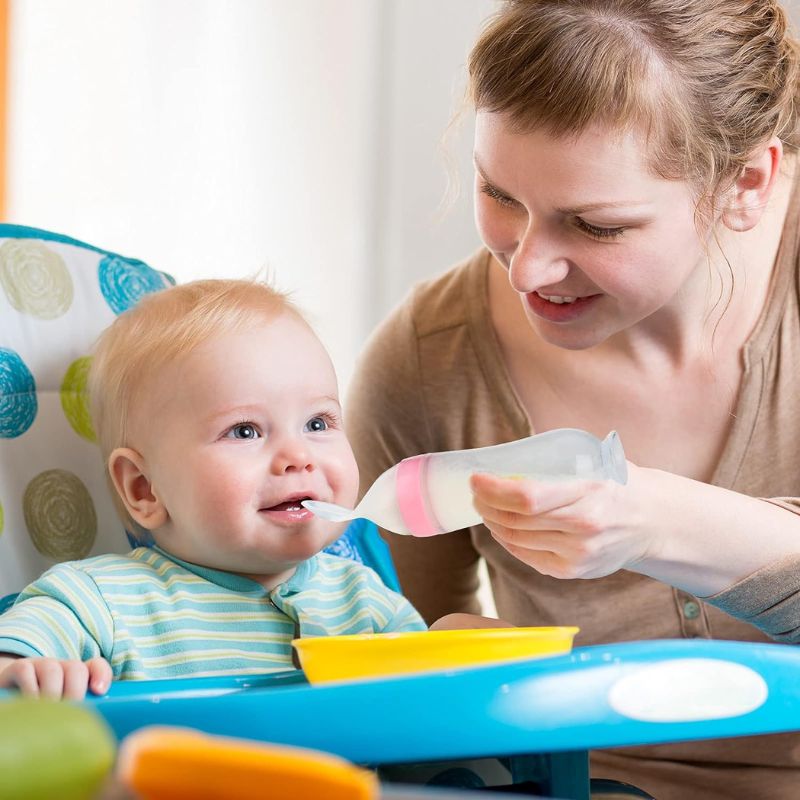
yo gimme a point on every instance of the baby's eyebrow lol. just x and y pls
(229, 411)
(327, 398)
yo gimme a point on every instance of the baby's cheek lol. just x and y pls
(344, 479)
(219, 495)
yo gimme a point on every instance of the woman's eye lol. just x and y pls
(498, 196)
(317, 425)
(599, 233)
(243, 431)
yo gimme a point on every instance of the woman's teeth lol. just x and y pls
(554, 298)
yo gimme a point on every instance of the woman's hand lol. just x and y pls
(574, 529)
(55, 679)
(698, 537)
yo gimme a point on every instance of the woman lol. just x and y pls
(635, 191)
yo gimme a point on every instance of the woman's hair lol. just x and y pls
(706, 81)
(162, 327)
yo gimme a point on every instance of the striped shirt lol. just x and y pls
(151, 615)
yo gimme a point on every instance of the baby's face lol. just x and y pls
(234, 436)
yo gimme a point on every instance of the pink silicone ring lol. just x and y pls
(412, 494)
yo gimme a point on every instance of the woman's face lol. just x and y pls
(593, 242)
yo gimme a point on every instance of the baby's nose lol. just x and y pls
(292, 456)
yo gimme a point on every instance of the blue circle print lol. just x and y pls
(124, 282)
(345, 547)
(18, 405)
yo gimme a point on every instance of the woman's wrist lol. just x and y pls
(704, 539)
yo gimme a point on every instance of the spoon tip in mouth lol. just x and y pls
(329, 511)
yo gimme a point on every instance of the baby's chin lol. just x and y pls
(301, 548)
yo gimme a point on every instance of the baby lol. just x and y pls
(217, 412)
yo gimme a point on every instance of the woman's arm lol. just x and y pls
(707, 539)
(699, 538)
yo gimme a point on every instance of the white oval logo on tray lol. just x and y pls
(688, 690)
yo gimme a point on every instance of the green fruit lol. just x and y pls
(51, 749)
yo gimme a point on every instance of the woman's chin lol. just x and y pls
(568, 339)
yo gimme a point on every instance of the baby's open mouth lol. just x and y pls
(292, 504)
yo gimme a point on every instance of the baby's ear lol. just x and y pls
(129, 476)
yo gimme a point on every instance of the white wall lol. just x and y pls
(215, 138)
(425, 80)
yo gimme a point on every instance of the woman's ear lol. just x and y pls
(753, 187)
(129, 476)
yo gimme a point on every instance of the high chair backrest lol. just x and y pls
(56, 296)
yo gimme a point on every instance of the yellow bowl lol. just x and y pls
(374, 655)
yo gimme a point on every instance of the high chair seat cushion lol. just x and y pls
(56, 296)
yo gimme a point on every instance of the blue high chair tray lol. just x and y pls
(601, 696)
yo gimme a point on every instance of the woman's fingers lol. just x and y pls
(567, 547)
(545, 562)
(526, 497)
(578, 508)
(545, 539)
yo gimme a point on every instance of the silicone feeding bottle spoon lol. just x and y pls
(429, 494)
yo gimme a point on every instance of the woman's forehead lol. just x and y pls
(496, 130)
(507, 158)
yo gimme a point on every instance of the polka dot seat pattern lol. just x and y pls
(56, 296)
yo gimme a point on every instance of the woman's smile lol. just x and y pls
(560, 308)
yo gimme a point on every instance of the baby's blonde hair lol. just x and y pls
(707, 81)
(162, 327)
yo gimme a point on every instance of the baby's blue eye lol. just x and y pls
(316, 425)
(243, 431)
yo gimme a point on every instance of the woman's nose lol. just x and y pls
(538, 261)
(292, 455)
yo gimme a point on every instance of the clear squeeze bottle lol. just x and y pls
(429, 494)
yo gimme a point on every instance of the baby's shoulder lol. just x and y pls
(112, 569)
(81, 577)
(346, 571)
(340, 565)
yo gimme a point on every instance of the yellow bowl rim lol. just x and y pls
(543, 632)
